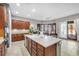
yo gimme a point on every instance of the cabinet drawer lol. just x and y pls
(34, 52)
(40, 51)
(33, 47)
(40, 47)
(33, 43)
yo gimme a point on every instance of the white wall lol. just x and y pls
(65, 19)
(77, 28)
(74, 17)
(63, 30)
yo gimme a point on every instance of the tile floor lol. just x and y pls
(68, 48)
(17, 49)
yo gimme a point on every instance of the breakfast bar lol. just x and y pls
(41, 45)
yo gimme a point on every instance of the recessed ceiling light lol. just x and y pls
(18, 4)
(17, 12)
(33, 10)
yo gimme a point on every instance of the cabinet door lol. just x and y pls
(14, 24)
(34, 51)
(15, 37)
(19, 24)
(40, 50)
(2, 49)
(1, 24)
(2, 16)
(22, 36)
(29, 45)
(19, 37)
(27, 25)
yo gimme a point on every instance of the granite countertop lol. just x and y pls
(1, 40)
(44, 40)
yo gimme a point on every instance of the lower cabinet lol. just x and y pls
(29, 46)
(35, 49)
(40, 50)
(17, 37)
(2, 49)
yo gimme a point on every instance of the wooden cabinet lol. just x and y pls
(16, 24)
(3, 15)
(26, 45)
(3, 21)
(17, 37)
(29, 46)
(51, 50)
(3, 18)
(40, 50)
(14, 37)
(2, 49)
(27, 25)
(36, 49)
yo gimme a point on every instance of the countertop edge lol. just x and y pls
(44, 45)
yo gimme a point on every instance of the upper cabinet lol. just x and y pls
(3, 15)
(16, 24)
(3, 18)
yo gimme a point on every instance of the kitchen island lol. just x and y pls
(41, 45)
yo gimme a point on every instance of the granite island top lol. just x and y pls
(1, 40)
(44, 40)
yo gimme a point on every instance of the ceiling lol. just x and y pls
(44, 11)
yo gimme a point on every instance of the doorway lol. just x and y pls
(71, 31)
